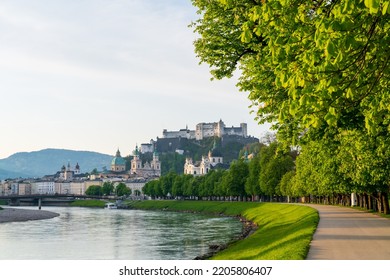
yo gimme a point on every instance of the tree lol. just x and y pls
(274, 163)
(318, 171)
(318, 70)
(121, 190)
(309, 66)
(252, 186)
(286, 185)
(107, 188)
(94, 190)
(177, 187)
(365, 161)
(234, 179)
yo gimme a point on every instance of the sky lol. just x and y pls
(98, 75)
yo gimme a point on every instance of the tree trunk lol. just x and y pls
(364, 198)
(369, 200)
(385, 203)
(379, 202)
(361, 201)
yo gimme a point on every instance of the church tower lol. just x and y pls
(156, 164)
(68, 176)
(136, 163)
(77, 169)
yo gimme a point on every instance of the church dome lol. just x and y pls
(118, 160)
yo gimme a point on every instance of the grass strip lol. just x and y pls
(284, 230)
(88, 203)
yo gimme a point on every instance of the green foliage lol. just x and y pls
(284, 231)
(240, 181)
(274, 163)
(122, 190)
(195, 149)
(107, 188)
(307, 66)
(252, 185)
(172, 162)
(235, 178)
(94, 190)
(88, 203)
(320, 73)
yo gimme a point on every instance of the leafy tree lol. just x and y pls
(152, 188)
(274, 163)
(166, 183)
(309, 66)
(107, 188)
(121, 189)
(286, 185)
(177, 187)
(234, 179)
(94, 190)
(319, 71)
(210, 183)
(365, 161)
(318, 171)
(252, 186)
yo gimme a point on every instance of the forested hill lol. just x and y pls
(49, 161)
(228, 147)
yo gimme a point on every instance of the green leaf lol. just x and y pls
(330, 48)
(246, 36)
(349, 93)
(385, 8)
(293, 108)
(330, 119)
(373, 5)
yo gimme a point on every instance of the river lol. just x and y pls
(94, 234)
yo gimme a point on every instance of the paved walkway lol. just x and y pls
(348, 234)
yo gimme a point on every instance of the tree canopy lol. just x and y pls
(319, 72)
(308, 66)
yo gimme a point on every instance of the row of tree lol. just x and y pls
(246, 179)
(319, 71)
(322, 173)
(108, 188)
(330, 171)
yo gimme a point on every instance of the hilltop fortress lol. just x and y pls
(205, 130)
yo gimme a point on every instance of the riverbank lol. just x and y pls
(284, 231)
(22, 215)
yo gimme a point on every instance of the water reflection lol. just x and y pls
(80, 233)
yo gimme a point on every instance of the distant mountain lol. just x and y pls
(4, 174)
(49, 161)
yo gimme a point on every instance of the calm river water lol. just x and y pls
(93, 234)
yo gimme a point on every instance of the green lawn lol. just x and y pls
(284, 230)
(89, 203)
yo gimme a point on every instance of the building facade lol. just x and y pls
(206, 130)
(147, 170)
(205, 165)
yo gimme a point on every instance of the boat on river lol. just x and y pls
(110, 205)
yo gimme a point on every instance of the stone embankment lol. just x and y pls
(248, 227)
(22, 215)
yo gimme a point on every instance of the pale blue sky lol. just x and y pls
(99, 75)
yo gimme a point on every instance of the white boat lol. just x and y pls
(110, 206)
